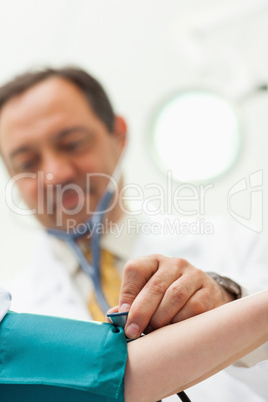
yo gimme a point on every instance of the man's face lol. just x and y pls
(58, 151)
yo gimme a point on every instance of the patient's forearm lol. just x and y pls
(175, 357)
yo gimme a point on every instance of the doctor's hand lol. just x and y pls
(159, 290)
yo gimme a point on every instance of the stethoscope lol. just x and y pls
(91, 227)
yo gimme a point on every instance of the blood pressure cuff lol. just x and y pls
(55, 359)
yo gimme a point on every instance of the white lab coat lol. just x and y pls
(232, 250)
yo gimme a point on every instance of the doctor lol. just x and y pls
(61, 143)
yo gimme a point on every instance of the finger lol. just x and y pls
(209, 296)
(199, 303)
(206, 295)
(136, 274)
(175, 298)
(111, 310)
(150, 296)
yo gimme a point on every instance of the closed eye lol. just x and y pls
(74, 145)
(27, 165)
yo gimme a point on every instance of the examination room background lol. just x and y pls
(144, 52)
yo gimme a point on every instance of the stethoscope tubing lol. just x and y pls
(91, 227)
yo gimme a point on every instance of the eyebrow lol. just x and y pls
(63, 133)
(70, 130)
(20, 150)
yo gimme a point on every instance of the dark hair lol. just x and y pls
(92, 89)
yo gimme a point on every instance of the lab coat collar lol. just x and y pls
(119, 241)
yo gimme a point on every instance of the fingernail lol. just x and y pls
(124, 307)
(132, 331)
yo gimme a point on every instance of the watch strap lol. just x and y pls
(227, 284)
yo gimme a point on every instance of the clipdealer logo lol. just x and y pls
(152, 199)
(251, 191)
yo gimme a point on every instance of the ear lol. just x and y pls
(120, 130)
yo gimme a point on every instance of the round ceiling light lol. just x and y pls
(196, 135)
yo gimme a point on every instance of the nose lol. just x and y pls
(58, 169)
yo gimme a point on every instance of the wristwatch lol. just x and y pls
(227, 284)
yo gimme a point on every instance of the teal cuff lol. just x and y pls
(47, 358)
